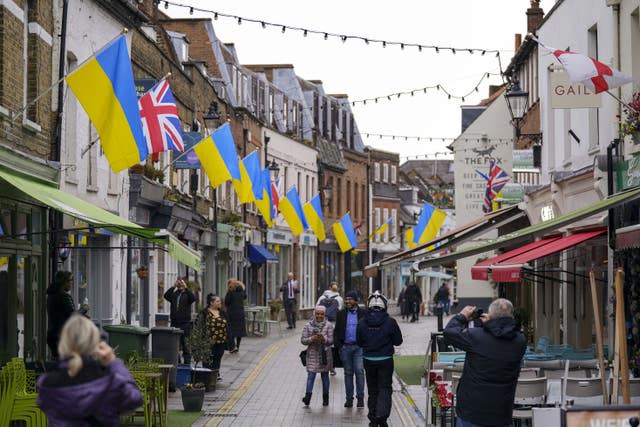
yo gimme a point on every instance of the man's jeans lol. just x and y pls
(311, 378)
(351, 356)
(379, 373)
(445, 305)
(462, 423)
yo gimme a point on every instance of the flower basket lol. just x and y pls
(192, 397)
(631, 123)
(441, 395)
(142, 272)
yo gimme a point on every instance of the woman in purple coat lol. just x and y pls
(90, 387)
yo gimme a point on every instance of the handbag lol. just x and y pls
(303, 357)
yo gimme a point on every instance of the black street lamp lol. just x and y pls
(518, 104)
(327, 194)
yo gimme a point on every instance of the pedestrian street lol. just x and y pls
(268, 390)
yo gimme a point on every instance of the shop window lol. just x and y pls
(21, 226)
(385, 172)
(6, 223)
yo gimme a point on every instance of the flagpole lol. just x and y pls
(622, 102)
(21, 111)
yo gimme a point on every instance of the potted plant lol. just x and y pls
(200, 344)
(275, 305)
(142, 272)
(192, 396)
(631, 124)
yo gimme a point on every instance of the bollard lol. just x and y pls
(439, 311)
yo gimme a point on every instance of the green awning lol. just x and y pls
(535, 230)
(98, 217)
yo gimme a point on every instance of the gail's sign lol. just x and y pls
(565, 95)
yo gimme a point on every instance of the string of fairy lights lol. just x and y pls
(326, 35)
(423, 90)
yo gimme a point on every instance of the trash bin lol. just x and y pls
(165, 343)
(183, 375)
(127, 338)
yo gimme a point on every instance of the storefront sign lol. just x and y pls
(628, 173)
(564, 95)
(617, 416)
(523, 160)
(279, 237)
(188, 160)
(546, 213)
(512, 193)
(143, 85)
(308, 239)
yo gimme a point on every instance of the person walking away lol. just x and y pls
(377, 333)
(402, 303)
(60, 307)
(181, 300)
(492, 365)
(90, 387)
(289, 291)
(414, 298)
(350, 353)
(234, 303)
(317, 335)
(216, 325)
(443, 298)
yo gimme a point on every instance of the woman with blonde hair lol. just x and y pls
(90, 386)
(234, 302)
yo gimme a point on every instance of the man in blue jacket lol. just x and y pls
(377, 333)
(491, 367)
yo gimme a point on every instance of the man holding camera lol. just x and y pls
(181, 300)
(492, 364)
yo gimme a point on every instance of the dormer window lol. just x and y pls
(180, 43)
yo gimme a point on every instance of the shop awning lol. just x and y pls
(454, 237)
(260, 255)
(89, 213)
(510, 270)
(434, 274)
(628, 237)
(480, 271)
(536, 230)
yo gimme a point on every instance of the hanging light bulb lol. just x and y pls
(284, 29)
(384, 43)
(483, 52)
(364, 102)
(424, 90)
(366, 41)
(463, 99)
(305, 33)
(239, 21)
(402, 46)
(215, 16)
(453, 51)
(326, 36)
(166, 5)
(399, 95)
(191, 11)
(471, 51)
(344, 38)
(263, 24)
(419, 48)
(437, 49)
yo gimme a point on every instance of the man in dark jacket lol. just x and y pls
(289, 291)
(377, 333)
(60, 307)
(181, 299)
(414, 298)
(492, 364)
(344, 339)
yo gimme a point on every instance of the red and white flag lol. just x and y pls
(588, 71)
(160, 121)
(275, 195)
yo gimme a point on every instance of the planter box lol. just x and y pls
(192, 399)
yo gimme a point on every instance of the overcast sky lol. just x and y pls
(366, 71)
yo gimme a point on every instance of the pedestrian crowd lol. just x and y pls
(362, 341)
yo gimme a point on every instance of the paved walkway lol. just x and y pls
(264, 384)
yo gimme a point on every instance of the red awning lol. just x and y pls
(480, 271)
(628, 237)
(510, 270)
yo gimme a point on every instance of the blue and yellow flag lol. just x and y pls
(264, 203)
(384, 227)
(105, 89)
(249, 187)
(218, 157)
(292, 212)
(345, 234)
(408, 238)
(428, 225)
(313, 212)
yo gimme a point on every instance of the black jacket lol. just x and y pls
(59, 308)
(234, 303)
(377, 333)
(491, 368)
(340, 329)
(413, 294)
(180, 314)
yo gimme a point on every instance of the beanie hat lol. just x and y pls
(351, 294)
(377, 302)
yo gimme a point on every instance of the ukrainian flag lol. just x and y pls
(218, 157)
(408, 238)
(249, 187)
(313, 213)
(428, 225)
(264, 203)
(104, 87)
(382, 228)
(291, 209)
(345, 234)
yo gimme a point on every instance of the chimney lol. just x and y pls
(535, 15)
(518, 42)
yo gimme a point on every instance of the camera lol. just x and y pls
(476, 314)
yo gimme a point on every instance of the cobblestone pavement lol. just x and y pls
(264, 383)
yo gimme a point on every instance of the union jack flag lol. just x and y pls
(160, 121)
(496, 179)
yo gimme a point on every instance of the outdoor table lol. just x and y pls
(254, 311)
